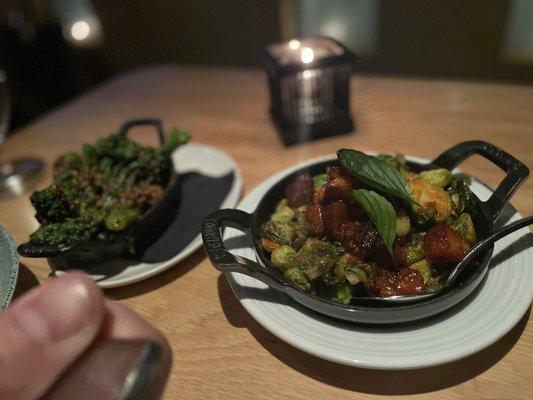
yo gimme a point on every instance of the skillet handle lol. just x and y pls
(222, 259)
(516, 171)
(144, 121)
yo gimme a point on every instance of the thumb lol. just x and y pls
(45, 331)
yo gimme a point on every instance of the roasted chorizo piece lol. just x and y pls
(300, 191)
(444, 246)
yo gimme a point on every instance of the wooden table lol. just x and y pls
(219, 350)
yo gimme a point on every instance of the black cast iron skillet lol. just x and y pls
(361, 311)
(135, 240)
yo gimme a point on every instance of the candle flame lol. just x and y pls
(294, 44)
(307, 55)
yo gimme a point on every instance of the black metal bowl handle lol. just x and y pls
(516, 171)
(145, 121)
(225, 261)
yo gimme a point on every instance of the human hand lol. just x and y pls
(45, 332)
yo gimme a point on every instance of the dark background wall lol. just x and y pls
(452, 39)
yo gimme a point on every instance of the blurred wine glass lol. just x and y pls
(16, 176)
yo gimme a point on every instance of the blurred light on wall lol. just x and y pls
(80, 30)
(79, 22)
(518, 45)
(352, 22)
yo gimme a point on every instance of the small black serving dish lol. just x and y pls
(130, 243)
(359, 311)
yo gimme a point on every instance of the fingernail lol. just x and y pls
(58, 309)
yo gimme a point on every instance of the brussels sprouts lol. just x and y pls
(283, 257)
(413, 250)
(298, 278)
(320, 180)
(424, 268)
(349, 268)
(284, 215)
(433, 203)
(439, 177)
(403, 223)
(278, 232)
(121, 217)
(465, 227)
(281, 204)
(343, 293)
(462, 197)
(317, 257)
(397, 161)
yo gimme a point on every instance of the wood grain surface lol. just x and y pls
(220, 352)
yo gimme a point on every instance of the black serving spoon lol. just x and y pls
(471, 256)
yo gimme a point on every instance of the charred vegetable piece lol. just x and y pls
(436, 203)
(298, 278)
(444, 247)
(465, 227)
(464, 200)
(350, 268)
(440, 177)
(317, 257)
(283, 215)
(278, 232)
(51, 205)
(65, 234)
(122, 217)
(300, 191)
(115, 180)
(343, 293)
(283, 257)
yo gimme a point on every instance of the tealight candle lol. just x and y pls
(309, 88)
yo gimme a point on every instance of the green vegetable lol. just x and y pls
(281, 233)
(317, 257)
(403, 223)
(65, 234)
(176, 139)
(439, 177)
(413, 250)
(284, 215)
(320, 180)
(106, 187)
(380, 211)
(388, 159)
(122, 217)
(424, 268)
(283, 257)
(465, 227)
(349, 268)
(462, 197)
(376, 173)
(298, 278)
(343, 294)
(52, 205)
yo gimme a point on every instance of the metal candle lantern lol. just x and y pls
(309, 83)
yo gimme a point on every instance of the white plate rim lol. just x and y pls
(509, 320)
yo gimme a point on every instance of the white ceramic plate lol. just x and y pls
(190, 158)
(475, 325)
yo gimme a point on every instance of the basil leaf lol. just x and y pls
(380, 211)
(376, 173)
